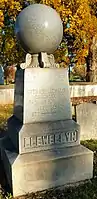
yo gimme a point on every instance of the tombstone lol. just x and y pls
(87, 119)
(1, 76)
(43, 149)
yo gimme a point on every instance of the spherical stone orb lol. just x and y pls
(39, 29)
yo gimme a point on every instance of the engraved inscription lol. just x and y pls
(45, 140)
(47, 96)
(46, 101)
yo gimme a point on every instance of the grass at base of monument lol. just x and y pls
(5, 113)
(87, 190)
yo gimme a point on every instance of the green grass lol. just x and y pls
(5, 112)
(87, 190)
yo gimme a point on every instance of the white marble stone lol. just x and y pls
(83, 90)
(46, 96)
(43, 136)
(7, 95)
(37, 31)
(42, 170)
(87, 119)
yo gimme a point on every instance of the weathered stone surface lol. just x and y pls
(87, 119)
(41, 170)
(43, 147)
(36, 30)
(75, 94)
(43, 136)
(6, 95)
(19, 94)
(84, 90)
(45, 96)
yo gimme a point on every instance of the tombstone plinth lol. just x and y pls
(44, 141)
(42, 112)
(47, 150)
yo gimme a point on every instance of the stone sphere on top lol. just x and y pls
(39, 29)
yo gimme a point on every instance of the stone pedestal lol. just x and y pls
(46, 169)
(46, 141)
(44, 135)
(42, 94)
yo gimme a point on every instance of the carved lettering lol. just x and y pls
(67, 135)
(74, 136)
(58, 138)
(33, 141)
(48, 97)
(45, 139)
(27, 142)
(39, 141)
(52, 139)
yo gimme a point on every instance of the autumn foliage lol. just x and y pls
(9, 74)
(79, 22)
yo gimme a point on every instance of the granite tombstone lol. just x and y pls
(45, 139)
(87, 119)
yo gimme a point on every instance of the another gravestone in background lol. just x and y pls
(87, 119)
(1, 75)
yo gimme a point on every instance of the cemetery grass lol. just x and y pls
(5, 113)
(83, 190)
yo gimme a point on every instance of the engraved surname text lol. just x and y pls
(58, 138)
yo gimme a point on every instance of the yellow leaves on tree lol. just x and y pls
(61, 57)
(80, 71)
(12, 7)
(1, 18)
(11, 52)
(9, 9)
(79, 20)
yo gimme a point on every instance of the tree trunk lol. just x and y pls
(88, 67)
(94, 60)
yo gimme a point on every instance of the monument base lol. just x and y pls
(38, 171)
